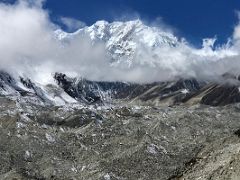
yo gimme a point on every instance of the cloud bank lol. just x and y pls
(29, 47)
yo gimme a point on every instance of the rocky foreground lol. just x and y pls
(118, 142)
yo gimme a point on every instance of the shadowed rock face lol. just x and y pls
(93, 91)
(222, 95)
(172, 93)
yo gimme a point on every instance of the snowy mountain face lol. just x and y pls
(23, 90)
(123, 39)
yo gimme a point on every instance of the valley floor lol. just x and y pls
(120, 142)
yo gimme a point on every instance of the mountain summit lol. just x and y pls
(123, 40)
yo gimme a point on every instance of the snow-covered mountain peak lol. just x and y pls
(60, 34)
(122, 39)
(101, 23)
(129, 30)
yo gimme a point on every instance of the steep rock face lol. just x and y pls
(170, 93)
(66, 83)
(213, 94)
(9, 85)
(93, 91)
(84, 90)
(26, 90)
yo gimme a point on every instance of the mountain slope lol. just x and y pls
(80, 91)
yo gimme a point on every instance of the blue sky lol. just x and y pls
(193, 19)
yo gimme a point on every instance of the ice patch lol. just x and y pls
(152, 149)
(107, 177)
(185, 91)
(27, 155)
(20, 125)
(50, 138)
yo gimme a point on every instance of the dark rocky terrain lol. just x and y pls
(173, 130)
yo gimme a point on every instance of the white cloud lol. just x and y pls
(27, 43)
(236, 34)
(72, 24)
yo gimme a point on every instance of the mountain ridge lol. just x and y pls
(81, 91)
